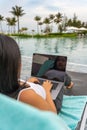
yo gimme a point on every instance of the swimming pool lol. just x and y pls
(74, 48)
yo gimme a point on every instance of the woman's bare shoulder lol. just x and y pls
(32, 98)
(26, 94)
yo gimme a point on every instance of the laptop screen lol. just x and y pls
(52, 67)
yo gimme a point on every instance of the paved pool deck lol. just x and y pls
(80, 84)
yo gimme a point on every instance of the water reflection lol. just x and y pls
(74, 48)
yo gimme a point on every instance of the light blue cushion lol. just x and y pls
(15, 115)
(72, 108)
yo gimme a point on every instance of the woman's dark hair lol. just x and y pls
(10, 60)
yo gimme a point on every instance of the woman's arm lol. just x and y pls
(30, 97)
(25, 83)
(47, 86)
(33, 80)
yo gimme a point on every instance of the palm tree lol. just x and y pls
(23, 29)
(37, 18)
(8, 21)
(40, 24)
(18, 12)
(58, 18)
(51, 17)
(74, 20)
(11, 22)
(1, 19)
(33, 32)
(14, 22)
(64, 22)
(60, 28)
(70, 22)
(47, 22)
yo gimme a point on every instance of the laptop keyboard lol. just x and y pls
(55, 84)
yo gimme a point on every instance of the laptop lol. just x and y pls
(41, 64)
(82, 124)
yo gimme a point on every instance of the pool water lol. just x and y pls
(74, 48)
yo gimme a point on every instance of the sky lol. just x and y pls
(43, 8)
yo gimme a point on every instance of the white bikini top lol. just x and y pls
(37, 88)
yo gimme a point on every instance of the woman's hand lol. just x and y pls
(47, 85)
(33, 80)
